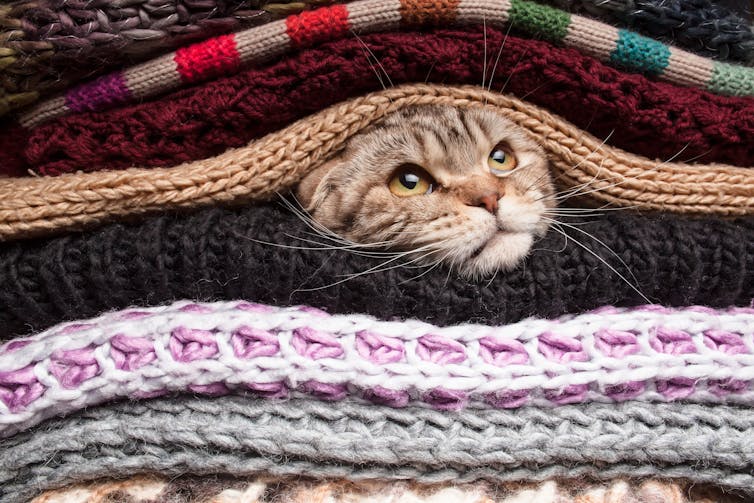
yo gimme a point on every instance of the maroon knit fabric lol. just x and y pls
(654, 119)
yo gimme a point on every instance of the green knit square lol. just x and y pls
(546, 22)
(732, 80)
(640, 53)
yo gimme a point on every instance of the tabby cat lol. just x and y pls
(462, 186)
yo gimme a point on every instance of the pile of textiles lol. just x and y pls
(168, 332)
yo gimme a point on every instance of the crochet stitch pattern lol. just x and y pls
(264, 43)
(49, 44)
(273, 164)
(649, 353)
(192, 489)
(222, 254)
(347, 439)
(701, 26)
(656, 119)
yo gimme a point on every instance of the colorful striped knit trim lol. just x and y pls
(629, 111)
(649, 354)
(701, 26)
(273, 164)
(48, 45)
(194, 489)
(225, 54)
(242, 436)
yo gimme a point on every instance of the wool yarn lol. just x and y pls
(648, 354)
(701, 26)
(241, 436)
(228, 254)
(193, 489)
(47, 45)
(629, 111)
(273, 164)
(225, 54)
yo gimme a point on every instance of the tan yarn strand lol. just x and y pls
(274, 163)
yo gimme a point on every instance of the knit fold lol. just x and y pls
(250, 253)
(648, 353)
(701, 26)
(626, 110)
(47, 45)
(242, 436)
(272, 165)
(265, 489)
(228, 53)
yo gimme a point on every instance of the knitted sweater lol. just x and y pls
(702, 26)
(196, 489)
(272, 165)
(241, 436)
(227, 53)
(47, 45)
(222, 254)
(629, 111)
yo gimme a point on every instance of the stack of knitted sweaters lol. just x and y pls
(169, 333)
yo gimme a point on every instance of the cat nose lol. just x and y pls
(489, 201)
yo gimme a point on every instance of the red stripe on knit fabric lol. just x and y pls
(212, 58)
(655, 119)
(318, 25)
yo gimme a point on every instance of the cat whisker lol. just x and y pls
(513, 70)
(376, 61)
(556, 226)
(484, 61)
(492, 279)
(315, 226)
(430, 269)
(555, 179)
(576, 228)
(431, 67)
(574, 191)
(372, 270)
(532, 91)
(356, 249)
(497, 59)
(628, 179)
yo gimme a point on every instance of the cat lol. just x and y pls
(465, 187)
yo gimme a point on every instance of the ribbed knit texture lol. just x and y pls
(216, 254)
(655, 119)
(701, 26)
(263, 169)
(203, 61)
(47, 45)
(219, 489)
(241, 436)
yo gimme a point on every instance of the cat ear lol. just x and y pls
(311, 190)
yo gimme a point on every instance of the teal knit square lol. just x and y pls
(640, 53)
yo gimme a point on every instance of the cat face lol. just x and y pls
(466, 187)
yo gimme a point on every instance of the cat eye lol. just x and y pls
(501, 161)
(411, 180)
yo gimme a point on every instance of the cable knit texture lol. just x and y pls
(224, 254)
(629, 111)
(702, 26)
(241, 436)
(274, 164)
(193, 489)
(47, 45)
(261, 44)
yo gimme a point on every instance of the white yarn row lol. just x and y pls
(413, 374)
